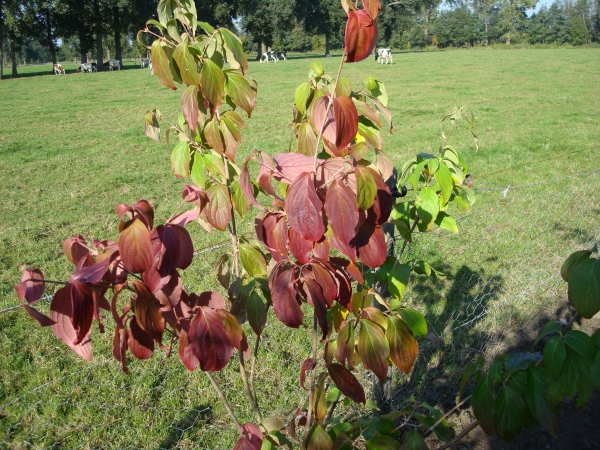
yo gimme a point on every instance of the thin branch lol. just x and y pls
(224, 400)
(459, 437)
(430, 430)
(311, 394)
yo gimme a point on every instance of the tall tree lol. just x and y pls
(512, 18)
(485, 11)
(15, 22)
(1, 38)
(325, 18)
(43, 16)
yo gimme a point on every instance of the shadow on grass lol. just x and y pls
(177, 430)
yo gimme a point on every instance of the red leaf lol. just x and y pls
(291, 165)
(326, 281)
(322, 249)
(186, 217)
(382, 206)
(120, 347)
(264, 176)
(83, 310)
(135, 247)
(186, 354)
(246, 185)
(75, 248)
(147, 313)
(346, 121)
(169, 295)
(349, 268)
(61, 312)
(234, 331)
(372, 7)
(322, 122)
(145, 212)
(370, 244)
(272, 231)
(314, 296)
(209, 340)
(304, 207)
(185, 247)
(139, 342)
(212, 300)
(95, 272)
(283, 296)
(300, 247)
(403, 346)
(192, 194)
(344, 295)
(251, 438)
(31, 287)
(42, 319)
(308, 364)
(189, 106)
(344, 351)
(346, 382)
(342, 216)
(361, 36)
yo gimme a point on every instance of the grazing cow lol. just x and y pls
(384, 54)
(268, 55)
(112, 64)
(146, 63)
(87, 68)
(58, 69)
(281, 55)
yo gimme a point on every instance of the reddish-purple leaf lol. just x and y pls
(213, 136)
(314, 296)
(370, 244)
(344, 351)
(323, 119)
(160, 63)
(344, 295)
(308, 364)
(360, 37)
(382, 206)
(349, 268)
(209, 340)
(218, 212)
(283, 296)
(251, 438)
(346, 382)
(169, 295)
(135, 247)
(264, 176)
(140, 344)
(372, 7)
(212, 300)
(347, 248)
(346, 122)
(42, 319)
(186, 354)
(189, 106)
(300, 247)
(403, 346)
(186, 217)
(342, 215)
(304, 207)
(322, 249)
(195, 195)
(272, 231)
(61, 312)
(145, 212)
(31, 287)
(185, 247)
(323, 276)
(234, 331)
(147, 312)
(384, 164)
(75, 248)
(83, 310)
(291, 165)
(120, 347)
(373, 348)
(93, 273)
(246, 185)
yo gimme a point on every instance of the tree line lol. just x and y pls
(43, 30)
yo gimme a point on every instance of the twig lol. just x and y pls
(459, 437)
(430, 430)
(224, 400)
(311, 394)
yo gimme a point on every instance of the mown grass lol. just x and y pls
(72, 147)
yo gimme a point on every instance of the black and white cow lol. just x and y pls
(87, 68)
(146, 63)
(112, 64)
(268, 55)
(384, 54)
(281, 55)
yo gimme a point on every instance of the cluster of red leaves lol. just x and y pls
(361, 34)
(144, 261)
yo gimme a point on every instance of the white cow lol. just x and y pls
(384, 54)
(268, 55)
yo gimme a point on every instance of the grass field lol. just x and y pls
(72, 147)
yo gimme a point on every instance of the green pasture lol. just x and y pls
(73, 147)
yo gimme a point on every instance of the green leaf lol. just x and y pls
(520, 361)
(595, 371)
(240, 202)
(366, 188)
(301, 97)
(581, 345)
(422, 268)
(240, 91)
(236, 57)
(165, 11)
(496, 371)
(380, 93)
(382, 443)
(508, 412)
(180, 160)
(252, 260)
(214, 164)
(257, 313)
(414, 441)
(549, 328)
(188, 65)
(444, 179)
(428, 206)
(403, 347)
(373, 348)
(318, 439)
(398, 279)
(206, 27)
(572, 261)
(537, 400)
(554, 356)
(446, 222)
(583, 291)
(212, 80)
(161, 63)
(371, 404)
(568, 377)
(371, 134)
(223, 270)
(415, 321)
(317, 68)
(482, 401)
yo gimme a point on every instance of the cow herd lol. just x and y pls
(382, 56)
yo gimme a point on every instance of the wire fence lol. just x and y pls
(503, 283)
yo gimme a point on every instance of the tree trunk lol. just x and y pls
(427, 14)
(83, 48)
(117, 31)
(13, 53)
(327, 45)
(486, 33)
(1, 39)
(263, 47)
(49, 36)
(98, 31)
